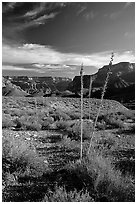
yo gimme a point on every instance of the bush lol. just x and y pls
(33, 126)
(116, 119)
(20, 157)
(67, 143)
(63, 125)
(59, 115)
(43, 113)
(114, 123)
(75, 131)
(61, 195)
(105, 143)
(28, 123)
(6, 111)
(101, 178)
(16, 112)
(101, 125)
(74, 115)
(130, 129)
(7, 121)
(46, 124)
(30, 112)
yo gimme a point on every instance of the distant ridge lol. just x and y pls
(9, 89)
(121, 85)
(34, 86)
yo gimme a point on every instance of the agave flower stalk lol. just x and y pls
(81, 74)
(101, 102)
(90, 87)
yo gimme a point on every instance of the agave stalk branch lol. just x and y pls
(101, 102)
(90, 87)
(81, 74)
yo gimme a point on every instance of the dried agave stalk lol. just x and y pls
(101, 102)
(90, 87)
(81, 74)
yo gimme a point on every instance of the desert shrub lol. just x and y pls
(63, 125)
(49, 119)
(33, 122)
(130, 129)
(28, 123)
(101, 125)
(75, 131)
(105, 142)
(67, 143)
(30, 112)
(45, 125)
(59, 115)
(74, 115)
(61, 195)
(9, 179)
(7, 121)
(115, 119)
(113, 122)
(101, 178)
(34, 126)
(16, 112)
(6, 111)
(20, 157)
(128, 114)
(19, 121)
(43, 113)
(86, 115)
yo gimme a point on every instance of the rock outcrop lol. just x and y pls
(121, 85)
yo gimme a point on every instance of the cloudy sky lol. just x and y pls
(55, 38)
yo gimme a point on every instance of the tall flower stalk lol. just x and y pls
(81, 74)
(90, 87)
(101, 102)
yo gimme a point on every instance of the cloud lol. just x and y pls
(127, 4)
(89, 15)
(12, 67)
(129, 35)
(34, 12)
(116, 14)
(85, 12)
(19, 16)
(36, 56)
(43, 19)
(81, 10)
(30, 53)
(6, 7)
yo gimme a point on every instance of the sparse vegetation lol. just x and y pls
(101, 178)
(61, 195)
(7, 121)
(41, 157)
(19, 154)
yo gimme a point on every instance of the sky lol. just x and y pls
(55, 38)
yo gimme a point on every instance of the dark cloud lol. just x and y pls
(18, 16)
